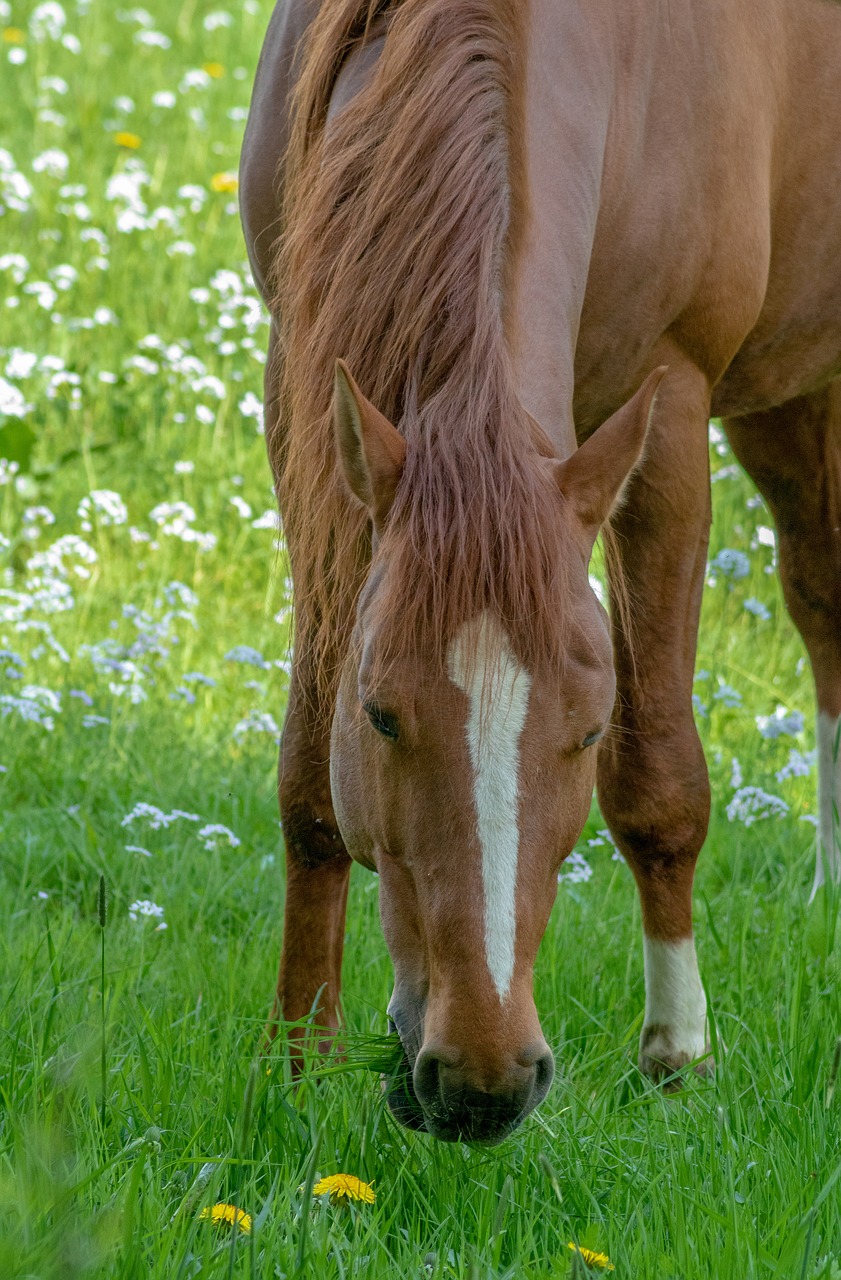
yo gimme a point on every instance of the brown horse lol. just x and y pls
(546, 241)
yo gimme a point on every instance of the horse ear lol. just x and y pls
(371, 450)
(592, 478)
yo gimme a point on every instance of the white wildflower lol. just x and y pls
(732, 564)
(758, 609)
(268, 520)
(43, 292)
(241, 506)
(31, 706)
(53, 162)
(156, 819)
(214, 832)
(13, 403)
(15, 263)
(782, 724)
(576, 869)
(257, 722)
(752, 804)
(196, 79)
(218, 18)
(103, 507)
(47, 21)
(249, 657)
(726, 694)
(251, 407)
(153, 39)
(145, 908)
(196, 197)
(800, 765)
(213, 385)
(15, 189)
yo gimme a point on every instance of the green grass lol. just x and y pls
(734, 1178)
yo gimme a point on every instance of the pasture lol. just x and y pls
(144, 646)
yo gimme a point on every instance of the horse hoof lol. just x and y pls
(663, 1060)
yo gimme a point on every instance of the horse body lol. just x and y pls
(664, 162)
(673, 200)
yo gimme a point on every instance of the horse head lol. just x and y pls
(463, 774)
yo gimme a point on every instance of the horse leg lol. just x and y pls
(317, 865)
(317, 870)
(652, 778)
(793, 455)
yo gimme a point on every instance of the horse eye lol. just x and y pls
(592, 738)
(383, 721)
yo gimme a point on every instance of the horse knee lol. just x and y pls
(311, 838)
(811, 580)
(310, 832)
(657, 805)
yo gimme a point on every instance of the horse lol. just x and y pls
(516, 254)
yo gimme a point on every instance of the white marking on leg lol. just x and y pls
(675, 1003)
(497, 688)
(828, 864)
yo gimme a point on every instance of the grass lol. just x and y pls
(735, 1178)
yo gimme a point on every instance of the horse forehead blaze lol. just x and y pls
(481, 663)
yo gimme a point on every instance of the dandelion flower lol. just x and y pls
(214, 69)
(13, 35)
(224, 182)
(227, 1215)
(343, 1186)
(129, 140)
(592, 1259)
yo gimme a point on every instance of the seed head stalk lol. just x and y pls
(103, 916)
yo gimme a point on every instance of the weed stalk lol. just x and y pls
(103, 918)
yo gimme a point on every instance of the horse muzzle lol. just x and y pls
(438, 1091)
(464, 1102)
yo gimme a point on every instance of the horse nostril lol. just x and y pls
(427, 1079)
(544, 1072)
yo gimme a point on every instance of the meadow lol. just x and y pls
(144, 656)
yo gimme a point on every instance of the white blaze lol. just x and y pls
(829, 801)
(674, 999)
(497, 688)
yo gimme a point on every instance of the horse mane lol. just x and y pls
(402, 219)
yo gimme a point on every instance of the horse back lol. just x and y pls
(267, 133)
(684, 178)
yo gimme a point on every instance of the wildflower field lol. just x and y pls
(144, 647)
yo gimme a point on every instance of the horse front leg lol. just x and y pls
(652, 777)
(317, 871)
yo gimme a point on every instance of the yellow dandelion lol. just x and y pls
(599, 1260)
(343, 1186)
(227, 1215)
(13, 35)
(224, 182)
(129, 140)
(214, 69)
